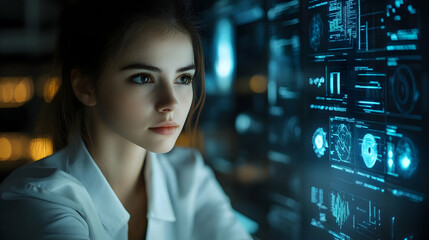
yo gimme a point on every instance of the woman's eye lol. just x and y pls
(142, 79)
(184, 79)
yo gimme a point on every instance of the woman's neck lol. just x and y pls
(120, 161)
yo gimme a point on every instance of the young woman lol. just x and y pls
(133, 77)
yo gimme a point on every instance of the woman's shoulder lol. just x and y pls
(42, 179)
(42, 198)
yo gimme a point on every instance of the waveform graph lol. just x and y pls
(341, 208)
(320, 143)
(341, 145)
(355, 215)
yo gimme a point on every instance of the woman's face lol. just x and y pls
(145, 93)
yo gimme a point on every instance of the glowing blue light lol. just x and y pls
(224, 65)
(242, 123)
(390, 162)
(398, 3)
(390, 153)
(224, 52)
(411, 9)
(248, 16)
(272, 86)
(405, 157)
(319, 141)
(405, 162)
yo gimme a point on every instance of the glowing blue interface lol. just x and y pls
(359, 71)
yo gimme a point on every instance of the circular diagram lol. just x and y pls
(369, 150)
(343, 143)
(405, 157)
(316, 32)
(319, 142)
(404, 89)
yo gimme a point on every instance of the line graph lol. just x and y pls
(339, 208)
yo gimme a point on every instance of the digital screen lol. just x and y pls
(356, 70)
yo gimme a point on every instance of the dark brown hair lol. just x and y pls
(91, 32)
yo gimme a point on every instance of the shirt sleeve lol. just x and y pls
(26, 217)
(214, 217)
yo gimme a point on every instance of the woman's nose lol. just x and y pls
(167, 101)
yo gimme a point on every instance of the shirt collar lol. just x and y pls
(111, 212)
(159, 200)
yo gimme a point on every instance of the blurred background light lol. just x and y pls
(15, 91)
(13, 146)
(242, 123)
(249, 15)
(51, 87)
(47, 87)
(258, 84)
(5, 148)
(40, 148)
(225, 57)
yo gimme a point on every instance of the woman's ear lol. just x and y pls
(82, 88)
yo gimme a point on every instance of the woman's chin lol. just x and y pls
(161, 149)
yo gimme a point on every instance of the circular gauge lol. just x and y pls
(369, 150)
(404, 89)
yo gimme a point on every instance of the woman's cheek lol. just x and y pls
(131, 109)
(190, 96)
(186, 104)
(120, 107)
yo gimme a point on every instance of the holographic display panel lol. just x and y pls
(364, 118)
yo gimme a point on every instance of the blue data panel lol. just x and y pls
(364, 77)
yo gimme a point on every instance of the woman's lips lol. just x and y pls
(164, 130)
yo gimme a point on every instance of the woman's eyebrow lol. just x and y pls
(155, 69)
(184, 69)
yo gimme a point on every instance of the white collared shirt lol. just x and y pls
(66, 196)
